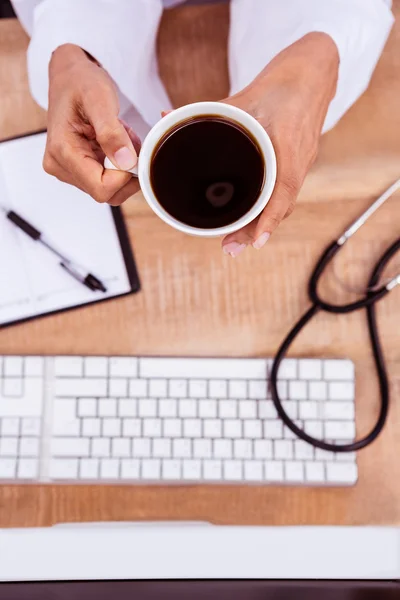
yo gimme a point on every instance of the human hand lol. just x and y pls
(83, 128)
(290, 98)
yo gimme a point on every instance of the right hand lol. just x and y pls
(83, 128)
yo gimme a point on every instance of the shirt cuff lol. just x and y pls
(119, 35)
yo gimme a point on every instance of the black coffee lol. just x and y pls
(207, 172)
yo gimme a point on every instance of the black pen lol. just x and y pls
(77, 272)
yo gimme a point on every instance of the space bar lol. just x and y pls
(215, 368)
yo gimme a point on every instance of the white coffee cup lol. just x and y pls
(180, 115)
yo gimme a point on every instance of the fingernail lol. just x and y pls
(234, 249)
(261, 241)
(125, 158)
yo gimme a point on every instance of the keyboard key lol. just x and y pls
(314, 428)
(111, 427)
(207, 409)
(318, 390)
(242, 449)
(91, 427)
(273, 430)
(158, 388)
(130, 469)
(12, 366)
(297, 390)
(172, 428)
(253, 470)
(96, 366)
(28, 405)
(222, 449)
(186, 408)
(191, 470)
(168, 407)
(282, 389)
(310, 368)
(198, 388)
(100, 447)
(212, 428)
(218, 388)
(147, 407)
(291, 408)
(89, 468)
(7, 468)
(232, 428)
(258, 390)
(341, 472)
(212, 470)
(109, 468)
(238, 389)
(141, 447)
(75, 387)
(341, 390)
(162, 448)
(273, 471)
(294, 472)
(34, 366)
(288, 369)
(338, 370)
(202, 448)
(171, 469)
(64, 446)
(151, 469)
(233, 470)
(28, 468)
(87, 407)
(108, 408)
(178, 388)
(340, 430)
(29, 447)
(247, 409)
(252, 429)
(315, 472)
(131, 428)
(68, 366)
(152, 428)
(63, 468)
(303, 450)
(308, 410)
(138, 387)
(182, 448)
(13, 387)
(283, 449)
(338, 411)
(123, 366)
(118, 387)
(127, 407)
(65, 425)
(263, 448)
(120, 447)
(10, 426)
(203, 368)
(8, 446)
(267, 410)
(227, 409)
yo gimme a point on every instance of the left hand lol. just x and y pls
(290, 98)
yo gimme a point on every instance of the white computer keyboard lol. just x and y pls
(177, 420)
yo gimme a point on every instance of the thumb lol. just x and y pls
(112, 136)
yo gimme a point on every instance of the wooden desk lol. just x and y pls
(195, 301)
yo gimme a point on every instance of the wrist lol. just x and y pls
(66, 56)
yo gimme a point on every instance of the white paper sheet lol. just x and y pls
(31, 280)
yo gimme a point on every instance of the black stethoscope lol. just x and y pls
(372, 295)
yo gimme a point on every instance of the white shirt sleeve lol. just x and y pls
(260, 29)
(121, 35)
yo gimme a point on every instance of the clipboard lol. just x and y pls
(32, 284)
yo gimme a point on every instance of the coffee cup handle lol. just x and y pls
(108, 165)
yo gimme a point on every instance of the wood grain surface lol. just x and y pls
(195, 301)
